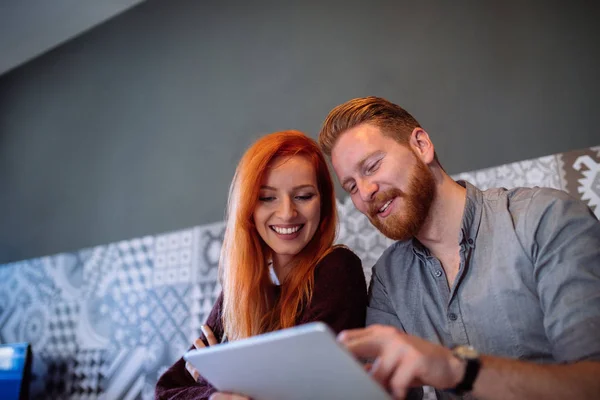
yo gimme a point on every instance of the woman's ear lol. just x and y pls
(422, 145)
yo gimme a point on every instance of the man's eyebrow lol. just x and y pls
(360, 165)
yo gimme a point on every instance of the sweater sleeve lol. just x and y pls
(176, 382)
(340, 292)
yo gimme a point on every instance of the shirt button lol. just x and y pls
(470, 241)
(438, 273)
(452, 317)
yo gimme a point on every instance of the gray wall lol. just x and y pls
(29, 28)
(136, 126)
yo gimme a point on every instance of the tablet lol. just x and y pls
(299, 363)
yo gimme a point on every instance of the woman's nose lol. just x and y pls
(287, 209)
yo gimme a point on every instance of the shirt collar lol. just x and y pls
(470, 220)
(273, 275)
(471, 214)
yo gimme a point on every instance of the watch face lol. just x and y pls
(467, 352)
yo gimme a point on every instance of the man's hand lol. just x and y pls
(403, 361)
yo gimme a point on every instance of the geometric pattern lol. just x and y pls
(61, 334)
(58, 377)
(86, 375)
(356, 232)
(173, 258)
(105, 322)
(582, 175)
(543, 172)
(135, 268)
(576, 172)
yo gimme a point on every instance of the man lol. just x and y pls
(512, 274)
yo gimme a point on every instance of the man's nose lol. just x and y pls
(366, 189)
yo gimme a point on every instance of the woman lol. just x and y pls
(278, 265)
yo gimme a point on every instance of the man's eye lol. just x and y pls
(352, 189)
(373, 167)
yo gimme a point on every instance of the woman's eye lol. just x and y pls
(305, 196)
(266, 198)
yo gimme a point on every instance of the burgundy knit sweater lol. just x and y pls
(339, 299)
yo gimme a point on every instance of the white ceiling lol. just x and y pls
(28, 28)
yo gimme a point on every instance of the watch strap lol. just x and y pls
(471, 372)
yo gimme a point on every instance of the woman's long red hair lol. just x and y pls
(250, 306)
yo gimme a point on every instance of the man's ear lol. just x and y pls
(421, 144)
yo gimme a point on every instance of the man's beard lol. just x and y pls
(412, 206)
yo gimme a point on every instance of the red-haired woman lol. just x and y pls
(278, 266)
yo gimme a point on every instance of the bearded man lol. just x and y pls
(491, 294)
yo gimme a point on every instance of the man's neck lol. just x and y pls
(440, 233)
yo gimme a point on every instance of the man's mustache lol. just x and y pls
(381, 198)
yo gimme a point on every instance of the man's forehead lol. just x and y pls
(355, 143)
(363, 132)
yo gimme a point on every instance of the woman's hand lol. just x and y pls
(199, 344)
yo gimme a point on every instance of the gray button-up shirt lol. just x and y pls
(528, 285)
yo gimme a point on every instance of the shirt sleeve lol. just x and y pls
(176, 382)
(380, 309)
(340, 292)
(565, 252)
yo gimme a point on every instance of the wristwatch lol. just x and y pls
(469, 355)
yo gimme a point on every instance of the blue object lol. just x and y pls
(15, 370)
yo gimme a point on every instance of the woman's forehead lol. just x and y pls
(291, 169)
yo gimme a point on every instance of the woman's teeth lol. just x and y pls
(286, 231)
